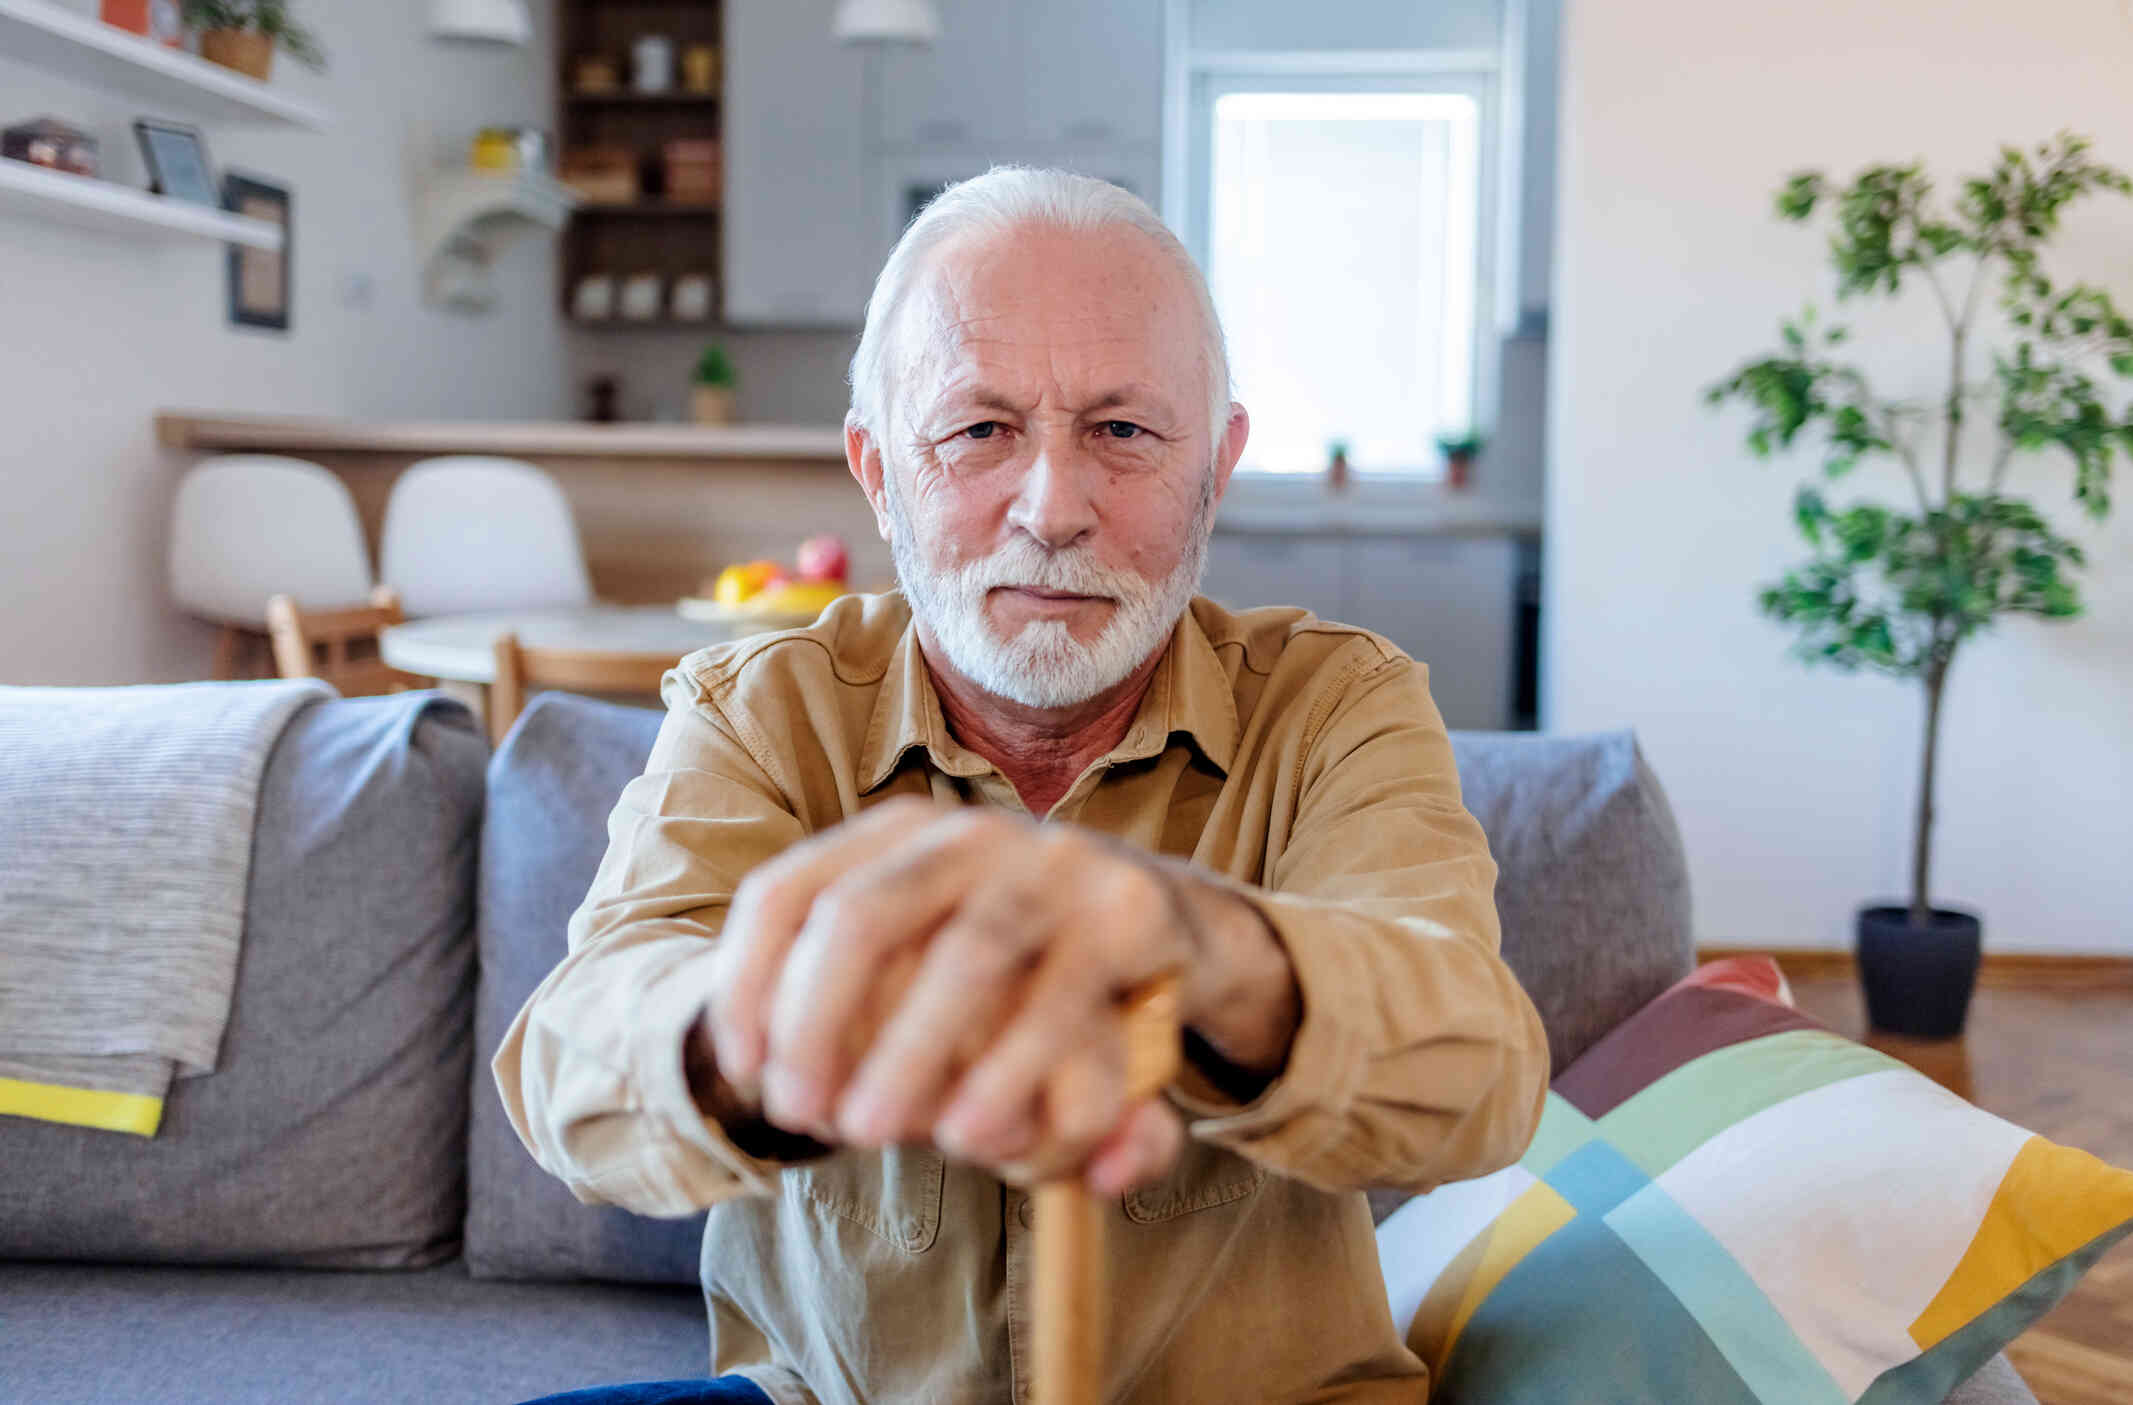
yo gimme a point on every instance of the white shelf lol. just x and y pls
(107, 205)
(165, 82)
(472, 204)
(463, 217)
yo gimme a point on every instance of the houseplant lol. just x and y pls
(1899, 589)
(1459, 451)
(242, 34)
(711, 398)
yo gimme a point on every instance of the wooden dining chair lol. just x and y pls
(522, 668)
(340, 646)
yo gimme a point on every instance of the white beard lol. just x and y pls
(1044, 665)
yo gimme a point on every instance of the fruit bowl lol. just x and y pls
(768, 595)
(703, 607)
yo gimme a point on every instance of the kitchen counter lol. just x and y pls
(659, 507)
(186, 429)
(1425, 510)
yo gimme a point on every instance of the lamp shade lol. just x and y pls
(886, 22)
(492, 21)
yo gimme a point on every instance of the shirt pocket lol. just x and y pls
(1205, 1176)
(894, 1193)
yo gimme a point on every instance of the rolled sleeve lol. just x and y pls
(591, 1071)
(1419, 1058)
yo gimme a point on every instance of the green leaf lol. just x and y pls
(1809, 511)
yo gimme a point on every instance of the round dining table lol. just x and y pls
(462, 648)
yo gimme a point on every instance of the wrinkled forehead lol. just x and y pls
(1037, 304)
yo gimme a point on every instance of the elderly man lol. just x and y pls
(849, 973)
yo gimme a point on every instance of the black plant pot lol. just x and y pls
(1918, 982)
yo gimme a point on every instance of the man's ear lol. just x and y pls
(1231, 447)
(862, 455)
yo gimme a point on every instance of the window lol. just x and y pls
(1342, 220)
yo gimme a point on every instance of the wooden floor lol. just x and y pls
(2060, 1063)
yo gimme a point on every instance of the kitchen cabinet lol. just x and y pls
(822, 175)
(799, 248)
(1021, 74)
(967, 88)
(1096, 74)
(1278, 570)
(1448, 600)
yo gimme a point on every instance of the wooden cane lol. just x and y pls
(1072, 1297)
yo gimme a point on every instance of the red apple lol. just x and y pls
(824, 558)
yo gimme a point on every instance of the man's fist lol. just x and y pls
(954, 976)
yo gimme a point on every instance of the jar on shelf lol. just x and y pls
(595, 74)
(699, 68)
(652, 57)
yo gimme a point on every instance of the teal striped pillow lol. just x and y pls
(1728, 1204)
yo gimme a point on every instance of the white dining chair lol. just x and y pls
(248, 527)
(465, 533)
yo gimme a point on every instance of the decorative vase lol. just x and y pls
(711, 404)
(1457, 467)
(1918, 982)
(246, 50)
(157, 19)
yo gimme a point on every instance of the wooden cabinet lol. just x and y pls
(644, 160)
(1450, 601)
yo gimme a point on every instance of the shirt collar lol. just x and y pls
(1190, 694)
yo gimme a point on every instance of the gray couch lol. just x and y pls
(340, 1212)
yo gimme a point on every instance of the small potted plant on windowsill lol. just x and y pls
(242, 35)
(711, 397)
(1459, 451)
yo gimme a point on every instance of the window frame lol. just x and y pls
(1198, 79)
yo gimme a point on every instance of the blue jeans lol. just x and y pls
(726, 1390)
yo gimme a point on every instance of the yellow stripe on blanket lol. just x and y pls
(137, 1113)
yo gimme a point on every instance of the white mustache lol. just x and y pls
(1071, 571)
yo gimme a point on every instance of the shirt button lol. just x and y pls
(1026, 1214)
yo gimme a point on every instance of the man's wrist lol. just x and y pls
(1242, 998)
(741, 1120)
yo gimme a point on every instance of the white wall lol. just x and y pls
(1795, 787)
(98, 331)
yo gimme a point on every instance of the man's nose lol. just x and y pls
(1054, 502)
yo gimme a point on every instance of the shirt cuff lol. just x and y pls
(1307, 1103)
(673, 1005)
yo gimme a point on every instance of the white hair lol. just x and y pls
(1004, 199)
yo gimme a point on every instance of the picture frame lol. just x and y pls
(177, 161)
(260, 286)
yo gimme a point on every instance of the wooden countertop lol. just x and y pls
(194, 429)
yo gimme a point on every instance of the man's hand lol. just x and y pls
(954, 976)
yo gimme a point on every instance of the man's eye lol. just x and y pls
(1122, 429)
(982, 430)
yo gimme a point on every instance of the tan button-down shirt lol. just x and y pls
(1300, 761)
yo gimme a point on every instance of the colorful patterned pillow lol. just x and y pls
(1727, 1203)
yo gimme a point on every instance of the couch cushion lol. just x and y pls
(1592, 886)
(551, 786)
(1726, 1202)
(181, 1336)
(1592, 890)
(332, 1132)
